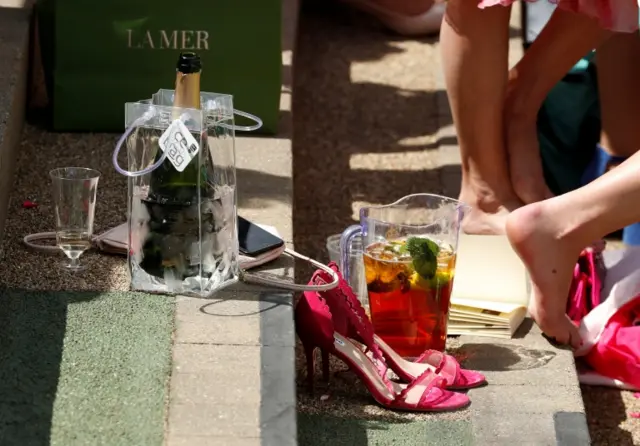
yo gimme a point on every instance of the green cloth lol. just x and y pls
(85, 368)
(569, 127)
(100, 55)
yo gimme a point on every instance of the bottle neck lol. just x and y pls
(187, 91)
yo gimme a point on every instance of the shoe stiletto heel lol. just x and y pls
(325, 365)
(343, 300)
(315, 328)
(309, 354)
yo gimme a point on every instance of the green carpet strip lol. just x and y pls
(84, 368)
(335, 430)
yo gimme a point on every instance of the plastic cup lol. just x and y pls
(357, 281)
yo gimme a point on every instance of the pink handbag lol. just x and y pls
(610, 331)
(586, 287)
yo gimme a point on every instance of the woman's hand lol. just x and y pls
(525, 162)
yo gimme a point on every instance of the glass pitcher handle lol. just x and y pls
(345, 248)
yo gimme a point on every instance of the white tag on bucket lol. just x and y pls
(179, 145)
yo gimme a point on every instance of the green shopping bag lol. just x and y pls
(105, 54)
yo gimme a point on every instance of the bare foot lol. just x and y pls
(525, 163)
(480, 222)
(536, 236)
(486, 217)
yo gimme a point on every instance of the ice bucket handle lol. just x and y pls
(262, 279)
(148, 116)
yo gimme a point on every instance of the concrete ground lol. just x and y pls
(370, 126)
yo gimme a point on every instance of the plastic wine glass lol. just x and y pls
(74, 196)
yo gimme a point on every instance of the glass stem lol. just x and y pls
(75, 262)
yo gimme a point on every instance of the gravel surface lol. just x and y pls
(39, 152)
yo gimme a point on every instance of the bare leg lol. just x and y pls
(618, 61)
(549, 235)
(564, 40)
(474, 49)
(405, 17)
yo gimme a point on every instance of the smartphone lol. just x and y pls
(254, 240)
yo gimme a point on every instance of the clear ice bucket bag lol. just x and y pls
(182, 222)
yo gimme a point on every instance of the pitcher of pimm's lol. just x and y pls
(409, 260)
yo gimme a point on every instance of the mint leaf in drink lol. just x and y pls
(424, 256)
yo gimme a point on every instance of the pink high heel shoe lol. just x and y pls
(315, 329)
(342, 301)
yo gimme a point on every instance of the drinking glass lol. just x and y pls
(74, 196)
(409, 253)
(356, 280)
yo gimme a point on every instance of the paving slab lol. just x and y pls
(533, 389)
(233, 379)
(233, 373)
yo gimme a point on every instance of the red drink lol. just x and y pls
(409, 309)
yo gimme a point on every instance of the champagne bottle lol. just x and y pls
(166, 182)
(174, 204)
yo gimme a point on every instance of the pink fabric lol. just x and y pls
(610, 332)
(617, 352)
(616, 15)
